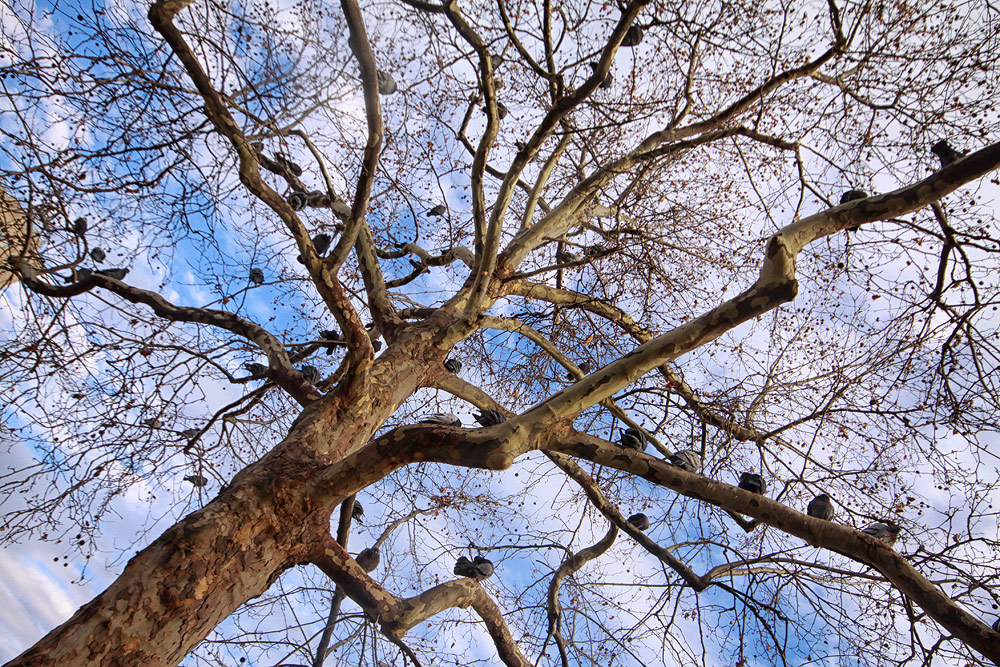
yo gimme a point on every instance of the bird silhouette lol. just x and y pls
(358, 513)
(945, 152)
(453, 365)
(386, 84)
(821, 507)
(298, 200)
(256, 276)
(77, 274)
(438, 210)
(477, 568)
(152, 422)
(368, 559)
(594, 250)
(853, 195)
(886, 532)
(752, 482)
(502, 110)
(443, 418)
(585, 368)
(196, 480)
(608, 80)
(255, 368)
(567, 257)
(190, 433)
(640, 521)
(490, 418)
(633, 438)
(98, 255)
(633, 37)
(688, 459)
(311, 374)
(117, 274)
(330, 334)
(80, 226)
(321, 242)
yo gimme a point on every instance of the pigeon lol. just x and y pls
(190, 433)
(640, 521)
(443, 418)
(376, 345)
(117, 274)
(368, 559)
(853, 195)
(633, 438)
(358, 512)
(821, 507)
(438, 210)
(477, 568)
(946, 153)
(311, 374)
(80, 226)
(297, 200)
(255, 368)
(567, 257)
(996, 625)
(688, 459)
(321, 242)
(196, 480)
(386, 84)
(330, 334)
(77, 274)
(98, 255)
(453, 365)
(883, 531)
(152, 422)
(752, 482)
(633, 37)
(288, 164)
(593, 250)
(584, 368)
(490, 418)
(256, 276)
(502, 110)
(608, 80)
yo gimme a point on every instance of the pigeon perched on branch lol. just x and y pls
(640, 521)
(752, 482)
(98, 255)
(298, 200)
(585, 368)
(358, 512)
(196, 480)
(567, 257)
(80, 226)
(688, 459)
(368, 559)
(256, 276)
(386, 84)
(490, 418)
(594, 250)
(77, 275)
(311, 374)
(633, 438)
(633, 37)
(117, 274)
(255, 368)
(883, 531)
(477, 568)
(945, 153)
(821, 507)
(152, 422)
(453, 365)
(608, 80)
(443, 418)
(438, 210)
(191, 433)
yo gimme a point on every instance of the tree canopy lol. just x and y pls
(258, 256)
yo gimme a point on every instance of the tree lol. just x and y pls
(675, 230)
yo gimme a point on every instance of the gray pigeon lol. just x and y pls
(256, 276)
(368, 559)
(191, 433)
(594, 250)
(311, 374)
(77, 274)
(358, 512)
(821, 507)
(297, 200)
(288, 164)
(152, 422)
(117, 274)
(640, 521)
(443, 418)
(453, 365)
(330, 334)
(477, 568)
(490, 418)
(608, 80)
(585, 368)
(255, 368)
(752, 482)
(567, 257)
(321, 242)
(386, 84)
(98, 255)
(633, 438)
(80, 226)
(502, 110)
(688, 459)
(438, 210)
(945, 153)
(196, 480)
(633, 37)
(883, 531)
(853, 195)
